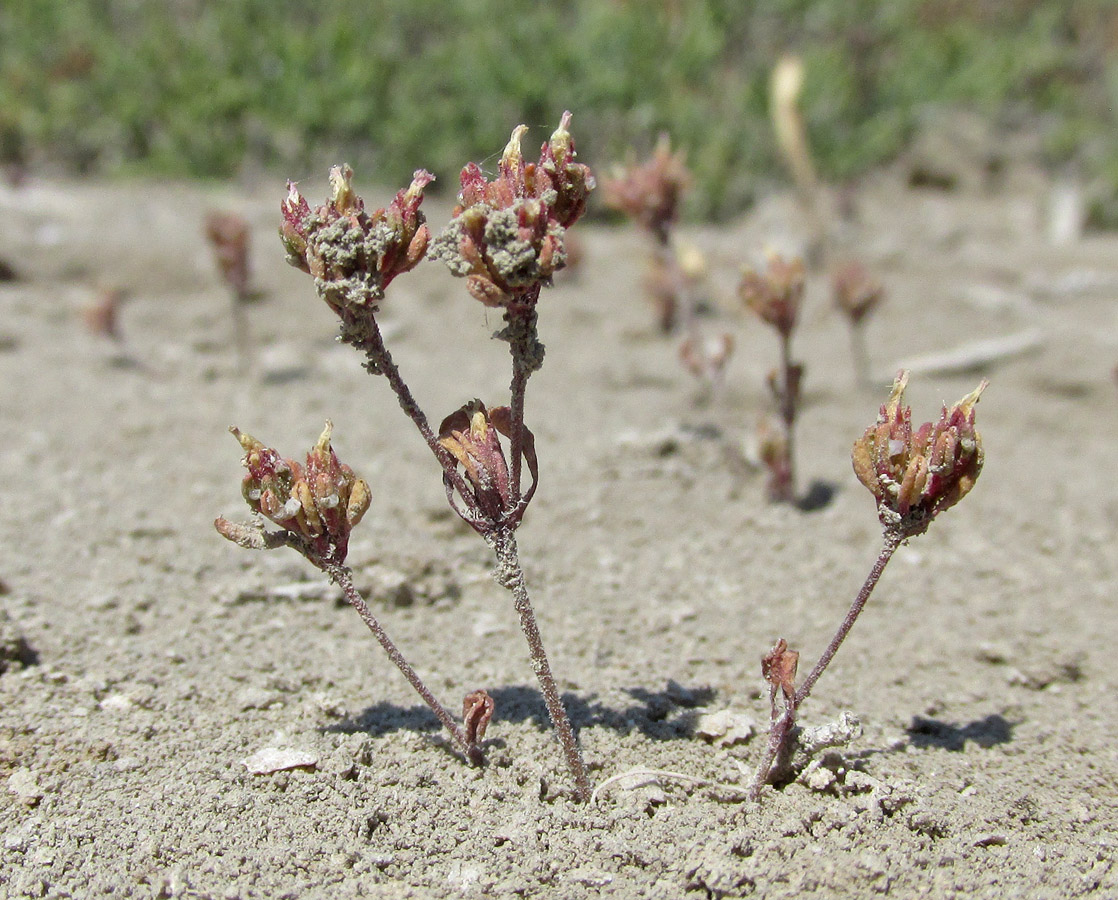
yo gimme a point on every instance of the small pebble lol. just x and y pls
(273, 759)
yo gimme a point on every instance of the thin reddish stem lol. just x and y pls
(780, 733)
(510, 574)
(343, 577)
(891, 543)
(788, 392)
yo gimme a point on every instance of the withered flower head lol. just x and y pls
(916, 475)
(778, 668)
(649, 192)
(506, 236)
(470, 434)
(477, 711)
(320, 501)
(776, 296)
(857, 293)
(352, 254)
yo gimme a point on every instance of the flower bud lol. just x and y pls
(354, 255)
(470, 435)
(319, 502)
(650, 192)
(914, 476)
(776, 296)
(507, 235)
(856, 292)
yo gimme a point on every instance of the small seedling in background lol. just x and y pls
(506, 239)
(649, 193)
(228, 234)
(102, 314)
(914, 476)
(857, 294)
(316, 506)
(776, 297)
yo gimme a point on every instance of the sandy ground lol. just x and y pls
(147, 659)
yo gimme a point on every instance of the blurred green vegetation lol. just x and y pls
(190, 87)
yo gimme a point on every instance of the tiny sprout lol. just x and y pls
(316, 505)
(914, 476)
(707, 358)
(778, 668)
(228, 234)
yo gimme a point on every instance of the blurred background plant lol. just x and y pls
(187, 87)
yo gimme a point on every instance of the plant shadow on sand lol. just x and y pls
(988, 731)
(663, 715)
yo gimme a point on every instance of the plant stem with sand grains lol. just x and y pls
(781, 731)
(510, 575)
(342, 576)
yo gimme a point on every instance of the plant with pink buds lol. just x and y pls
(857, 294)
(775, 297)
(914, 476)
(650, 193)
(316, 505)
(506, 239)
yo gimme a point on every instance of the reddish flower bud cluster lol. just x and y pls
(777, 295)
(352, 254)
(915, 475)
(320, 502)
(470, 434)
(506, 237)
(856, 292)
(649, 192)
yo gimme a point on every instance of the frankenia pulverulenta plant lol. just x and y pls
(649, 193)
(775, 297)
(229, 235)
(506, 239)
(857, 294)
(316, 505)
(914, 475)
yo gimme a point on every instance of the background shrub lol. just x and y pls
(189, 87)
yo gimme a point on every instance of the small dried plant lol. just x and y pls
(649, 193)
(857, 294)
(316, 506)
(914, 476)
(775, 297)
(228, 234)
(506, 239)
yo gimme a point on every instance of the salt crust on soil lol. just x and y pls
(157, 658)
